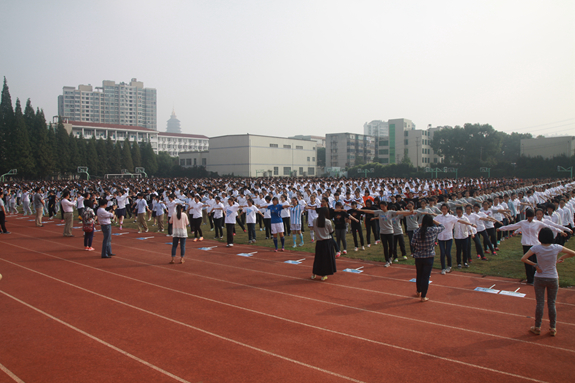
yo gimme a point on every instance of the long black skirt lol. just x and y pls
(324, 261)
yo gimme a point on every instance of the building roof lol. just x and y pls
(259, 135)
(183, 135)
(109, 126)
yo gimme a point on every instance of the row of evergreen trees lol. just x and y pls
(39, 150)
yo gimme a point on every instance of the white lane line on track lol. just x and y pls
(281, 293)
(253, 347)
(10, 374)
(125, 353)
(404, 267)
(173, 321)
(340, 285)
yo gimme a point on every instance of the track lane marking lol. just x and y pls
(10, 374)
(243, 344)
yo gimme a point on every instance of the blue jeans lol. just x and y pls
(251, 231)
(423, 268)
(445, 249)
(182, 246)
(107, 242)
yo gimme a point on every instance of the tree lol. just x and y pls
(92, 157)
(44, 155)
(149, 159)
(136, 155)
(6, 121)
(115, 156)
(62, 148)
(29, 119)
(75, 159)
(511, 146)
(127, 155)
(165, 165)
(406, 160)
(18, 145)
(103, 157)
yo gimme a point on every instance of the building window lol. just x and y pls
(195, 161)
(435, 160)
(189, 161)
(310, 171)
(287, 171)
(406, 142)
(287, 146)
(383, 143)
(313, 158)
(299, 147)
(385, 160)
(276, 170)
(308, 158)
(273, 145)
(405, 133)
(182, 162)
(204, 162)
(301, 171)
(384, 151)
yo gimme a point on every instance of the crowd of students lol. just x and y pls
(473, 213)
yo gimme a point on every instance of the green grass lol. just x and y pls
(506, 263)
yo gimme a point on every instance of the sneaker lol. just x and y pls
(276, 250)
(201, 238)
(261, 229)
(478, 256)
(369, 245)
(459, 266)
(234, 233)
(355, 249)
(169, 235)
(301, 244)
(294, 245)
(404, 258)
(146, 230)
(494, 253)
(484, 259)
(396, 260)
(120, 227)
(212, 229)
(363, 248)
(345, 252)
(324, 278)
(387, 264)
(443, 272)
(496, 249)
(312, 241)
(465, 265)
(139, 232)
(282, 249)
(449, 269)
(377, 242)
(91, 249)
(230, 245)
(337, 254)
(195, 240)
(87, 248)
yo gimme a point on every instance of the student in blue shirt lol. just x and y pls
(277, 225)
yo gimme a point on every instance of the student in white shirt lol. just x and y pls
(251, 211)
(231, 213)
(218, 210)
(445, 238)
(462, 233)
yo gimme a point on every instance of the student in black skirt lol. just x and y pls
(324, 260)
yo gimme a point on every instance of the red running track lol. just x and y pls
(69, 316)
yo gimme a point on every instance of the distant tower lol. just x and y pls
(174, 124)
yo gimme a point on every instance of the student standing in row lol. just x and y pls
(296, 221)
(356, 225)
(141, 208)
(218, 212)
(324, 259)
(445, 238)
(231, 213)
(104, 218)
(251, 212)
(423, 250)
(3, 214)
(179, 222)
(277, 225)
(68, 209)
(543, 258)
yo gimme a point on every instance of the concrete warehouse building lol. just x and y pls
(249, 155)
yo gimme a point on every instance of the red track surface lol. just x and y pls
(69, 316)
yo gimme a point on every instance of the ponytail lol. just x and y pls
(179, 211)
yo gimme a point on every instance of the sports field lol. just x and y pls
(243, 314)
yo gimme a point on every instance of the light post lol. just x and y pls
(562, 169)
(486, 170)
(12, 172)
(84, 169)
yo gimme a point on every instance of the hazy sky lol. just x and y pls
(305, 67)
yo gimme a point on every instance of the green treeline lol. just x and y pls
(44, 151)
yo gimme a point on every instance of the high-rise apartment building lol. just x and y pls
(122, 104)
(376, 128)
(344, 150)
(403, 141)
